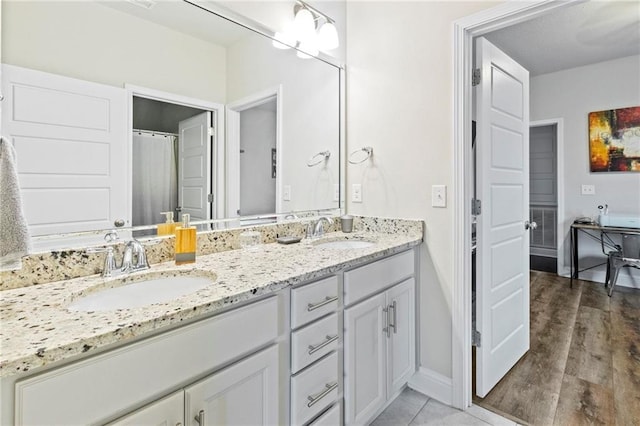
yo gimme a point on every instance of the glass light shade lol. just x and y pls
(328, 37)
(285, 39)
(304, 25)
(308, 48)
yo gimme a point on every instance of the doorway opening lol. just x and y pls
(466, 30)
(176, 159)
(254, 162)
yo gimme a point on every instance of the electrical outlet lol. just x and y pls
(588, 190)
(286, 192)
(336, 192)
(439, 196)
(356, 193)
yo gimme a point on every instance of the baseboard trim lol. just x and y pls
(433, 384)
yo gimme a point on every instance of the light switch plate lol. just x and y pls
(336, 192)
(439, 196)
(286, 192)
(588, 190)
(356, 193)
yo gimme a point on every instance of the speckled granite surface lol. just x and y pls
(37, 329)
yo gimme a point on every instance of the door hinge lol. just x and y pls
(210, 198)
(476, 338)
(476, 207)
(476, 77)
(211, 131)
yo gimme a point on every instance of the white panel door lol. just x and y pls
(70, 140)
(503, 242)
(168, 411)
(401, 353)
(246, 393)
(364, 359)
(194, 166)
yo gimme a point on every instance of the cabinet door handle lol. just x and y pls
(200, 418)
(316, 348)
(394, 317)
(327, 300)
(386, 328)
(313, 399)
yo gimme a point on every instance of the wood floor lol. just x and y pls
(583, 367)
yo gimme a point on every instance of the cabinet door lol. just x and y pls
(401, 345)
(364, 356)
(246, 393)
(168, 411)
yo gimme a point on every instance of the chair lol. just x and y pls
(628, 255)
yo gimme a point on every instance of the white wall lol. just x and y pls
(400, 101)
(88, 41)
(572, 95)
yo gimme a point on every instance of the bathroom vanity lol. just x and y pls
(283, 335)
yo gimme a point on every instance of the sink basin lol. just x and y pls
(344, 244)
(142, 292)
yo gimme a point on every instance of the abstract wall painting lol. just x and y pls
(614, 140)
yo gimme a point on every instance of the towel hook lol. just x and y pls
(367, 149)
(321, 156)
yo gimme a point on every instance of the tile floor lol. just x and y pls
(414, 408)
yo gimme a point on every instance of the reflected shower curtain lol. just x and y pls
(155, 185)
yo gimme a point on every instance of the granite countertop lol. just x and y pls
(37, 329)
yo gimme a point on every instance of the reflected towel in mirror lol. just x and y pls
(14, 235)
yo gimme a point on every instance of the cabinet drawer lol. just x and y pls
(314, 389)
(371, 278)
(330, 418)
(110, 383)
(313, 301)
(314, 341)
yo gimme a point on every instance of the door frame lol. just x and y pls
(559, 123)
(464, 31)
(233, 145)
(217, 149)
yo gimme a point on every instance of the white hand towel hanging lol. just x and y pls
(14, 235)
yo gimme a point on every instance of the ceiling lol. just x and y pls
(576, 35)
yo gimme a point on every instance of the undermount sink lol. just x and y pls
(344, 244)
(136, 292)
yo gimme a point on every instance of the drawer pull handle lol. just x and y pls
(200, 418)
(313, 399)
(326, 301)
(314, 349)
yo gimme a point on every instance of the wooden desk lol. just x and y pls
(591, 230)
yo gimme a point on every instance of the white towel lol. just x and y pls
(14, 236)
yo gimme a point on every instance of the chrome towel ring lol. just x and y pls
(318, 158)
(367, 149)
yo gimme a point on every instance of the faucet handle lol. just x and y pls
(109, 259)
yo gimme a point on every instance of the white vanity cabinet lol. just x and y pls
(168, 411)
(108, 385)
(379, 334)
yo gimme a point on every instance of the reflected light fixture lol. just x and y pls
(310, 31)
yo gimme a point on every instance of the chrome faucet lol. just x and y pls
(132, 250)
(134, 257)
(315, 229)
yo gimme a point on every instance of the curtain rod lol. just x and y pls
(152, 132)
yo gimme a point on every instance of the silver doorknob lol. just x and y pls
(118, 223)
(530, 225)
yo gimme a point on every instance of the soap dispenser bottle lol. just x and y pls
(169, 226)
(185, 241)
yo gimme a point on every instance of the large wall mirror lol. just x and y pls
(119, 112)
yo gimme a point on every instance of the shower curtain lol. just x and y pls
(155, 185)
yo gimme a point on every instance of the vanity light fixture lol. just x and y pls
(303, 32)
